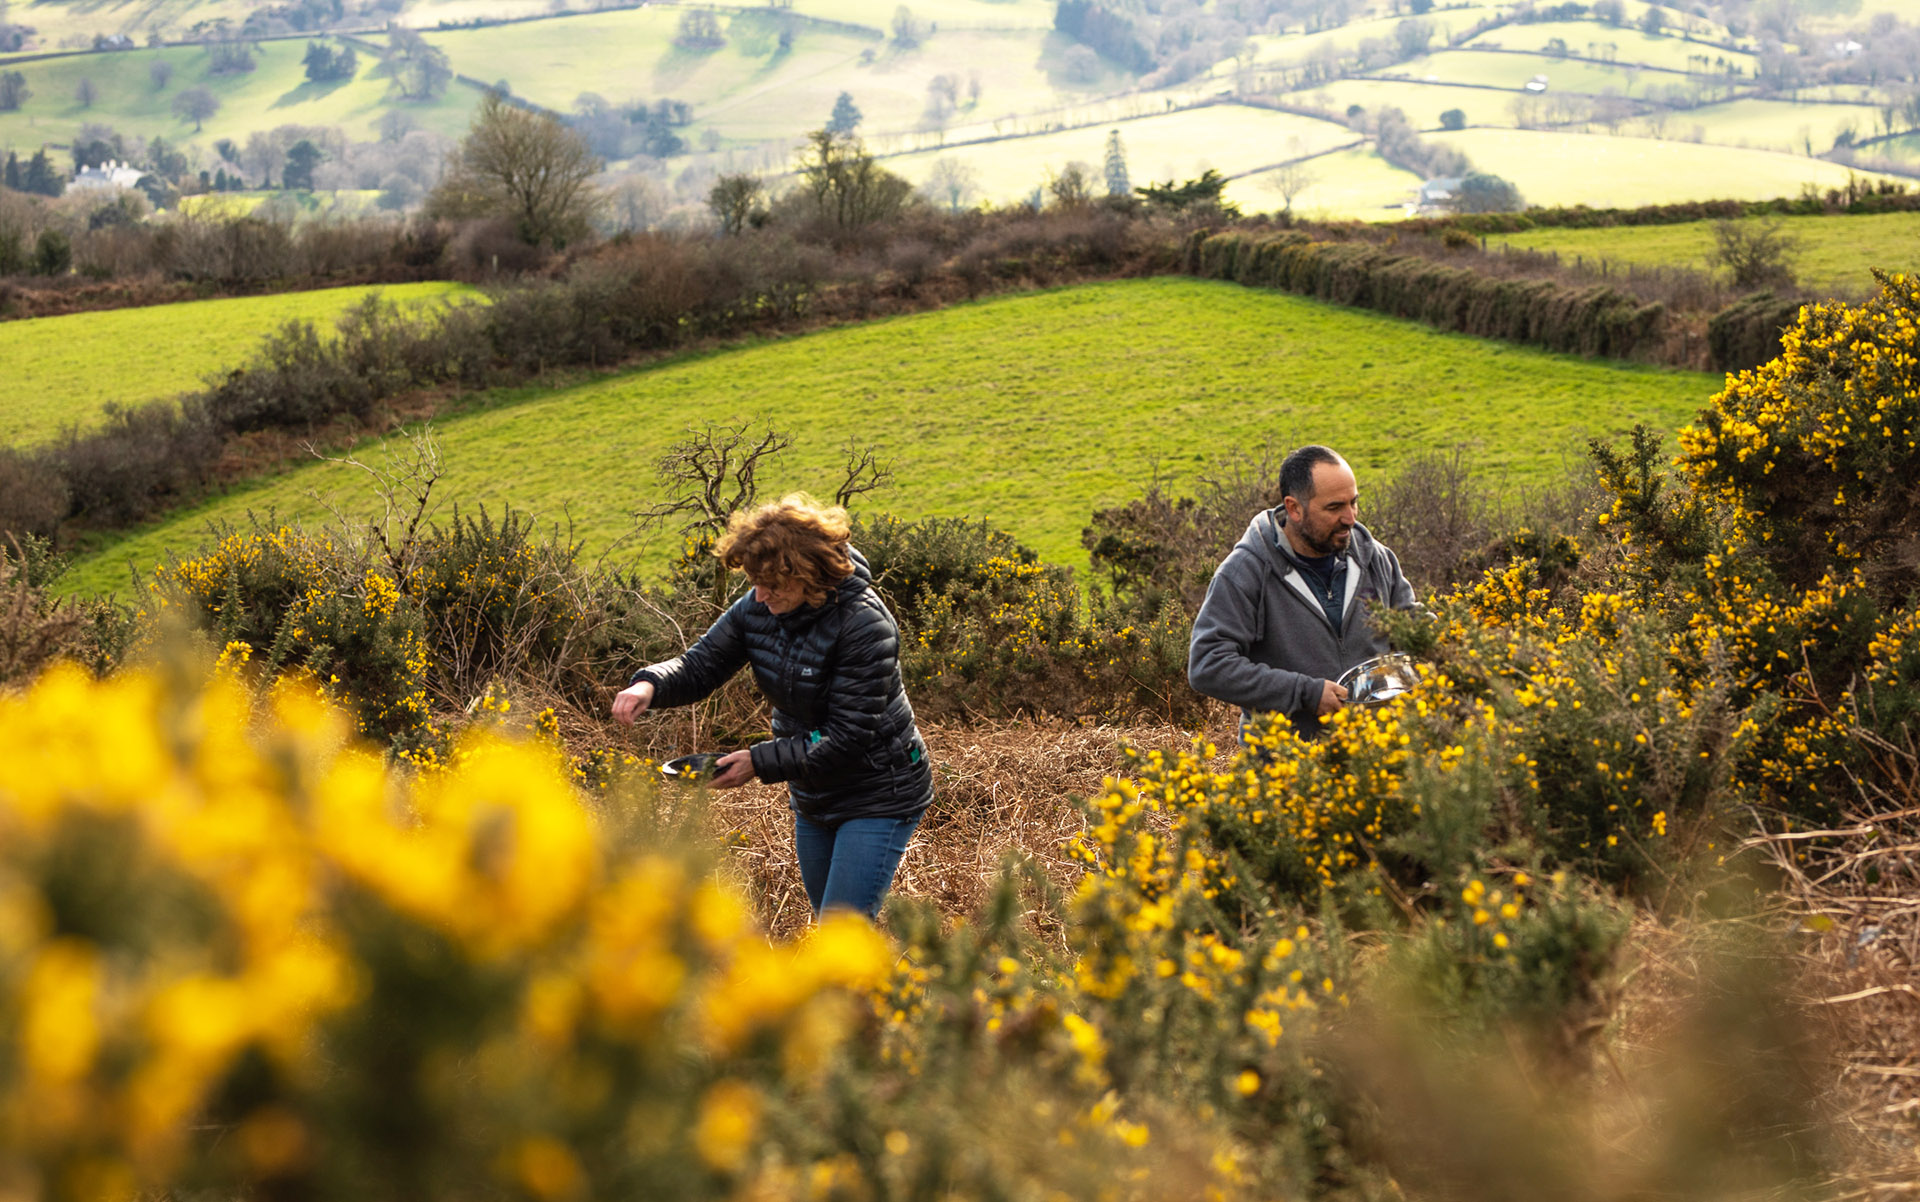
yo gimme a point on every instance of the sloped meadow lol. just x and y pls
(332, 882)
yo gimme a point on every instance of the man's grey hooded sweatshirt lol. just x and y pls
(1262, 640)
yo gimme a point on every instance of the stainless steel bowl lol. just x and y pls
(1380, 679)
(699, 766)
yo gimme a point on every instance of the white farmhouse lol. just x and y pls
(106, 175)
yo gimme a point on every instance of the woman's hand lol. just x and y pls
(632, 701)
(736, 769)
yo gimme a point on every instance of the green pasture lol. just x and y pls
(1182, 145)
(276, 92)
(1907, 146)
(1020, 73)
(64, 371)
(944, 15)
(1298, 47)
(1847, 93)
(1562, 168)
(1029, 411)
(1832, 254)
(629, 55)
(1777, 124)
(749, 90)
(1621, 44)
(1512, 71)
(1350, 184)
(1421, 102)
(63, 21)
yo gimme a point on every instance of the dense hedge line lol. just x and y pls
(1594, 320)
(1748, 331)
(1858, 197)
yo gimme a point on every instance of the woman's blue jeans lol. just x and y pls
(849, 865)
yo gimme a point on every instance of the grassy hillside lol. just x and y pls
(1232, 138)
(1561, 168)
(276, 92)
(1355, 184)
(1834, 253)
(1030, 411)
(64, 370)
(1622, 44)
(1777, 124)
(750, 89)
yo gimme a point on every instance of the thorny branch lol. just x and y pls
(405, 487)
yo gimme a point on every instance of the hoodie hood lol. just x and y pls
(1266, 540)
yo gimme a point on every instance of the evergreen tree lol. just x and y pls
(40, 176)
(846, 118)
(13, 91)
(302, 157)
(1117, 182)
(12, 177)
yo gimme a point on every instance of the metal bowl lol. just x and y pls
(1379, 680)
(701, 765)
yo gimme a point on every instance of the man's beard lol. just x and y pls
(1333, 543)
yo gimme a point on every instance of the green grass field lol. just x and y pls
(65, 370)
(629, 55)
(1833, 253)
(1421, 102)
(1512, 71)
(1351, 184)
(748, 90)
(1029, 411)
(1605, 172)
(1299, 47)
(1232, 138)
(1019, 73)
(1777, 124)
(276, 92)
(946, 14)
(1621, 44)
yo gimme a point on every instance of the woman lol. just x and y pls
(826, 654)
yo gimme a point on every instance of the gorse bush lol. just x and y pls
(276, 981)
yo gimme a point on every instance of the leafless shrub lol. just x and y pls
(1436, 513)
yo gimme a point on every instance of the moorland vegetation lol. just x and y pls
(1604, 909)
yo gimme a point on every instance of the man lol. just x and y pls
(1285, 615)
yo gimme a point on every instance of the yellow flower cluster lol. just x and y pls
(1806, 449)
(202, 885)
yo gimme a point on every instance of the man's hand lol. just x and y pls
(632, 701)
(1332, 697)
(736, 769)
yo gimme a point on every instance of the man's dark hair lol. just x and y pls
(1296, 472)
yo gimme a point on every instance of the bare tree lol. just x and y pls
(716, 472)
(735, 199)
(1290, 179)
(196, 105)
(85, 92)
(864, 473)
(404, 482)
(1758, 254)
(951, 184)
(528, 167)
(160, 73)
(1072, 188)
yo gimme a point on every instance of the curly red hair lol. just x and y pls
(793, 539)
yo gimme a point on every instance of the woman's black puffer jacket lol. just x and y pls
(843, 732)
